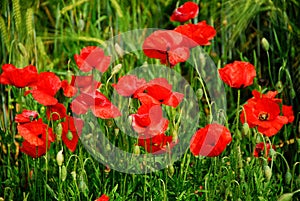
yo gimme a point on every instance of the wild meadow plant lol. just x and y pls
(99, 105)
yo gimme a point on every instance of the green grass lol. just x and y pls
(47, 34)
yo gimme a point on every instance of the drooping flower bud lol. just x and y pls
(268, 172)
(286, 197)
(265, 44)
(136, 149)
(63, 173)
(60, 158)
(288, 177)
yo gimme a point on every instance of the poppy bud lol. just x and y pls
(73, 173)
(292, 93)
(245, 129)
(69, 76)
(116, 69)
(199, 93)
(60, 158)
(58, 131)
(286, 197)
(268, 172)
(136, 149)
(63, 173)
(279, 86)
(171, 170)
(288, 177)
(265, 44)
(119, 50)
(81, 24)
(42, 110)
(70, 135)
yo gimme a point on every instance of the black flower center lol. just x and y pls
(263, 116)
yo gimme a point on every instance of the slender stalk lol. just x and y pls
(238, 110)
(269, 69)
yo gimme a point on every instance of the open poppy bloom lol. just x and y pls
(56, 112)
(166, 45)
(196, 34)
(72, 129)
(149, 121)
(92, 57)
(158, 144)
(35, 136)
(128, 85)
(97, 102)
(161, 90)
(85, 84)
(238, 74)
(26, 116)
(260, 150)
(44, 90)
(18, 77)
(210, 141)
(187, 11)
(263, 111)
(103, 198)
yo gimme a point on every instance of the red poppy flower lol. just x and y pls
(32, 150)
(158, 144)
(26, 116)
(264, 113)
(238, 74)
(18, 77)
(196, 34)
(35, 136)
(68, 89)
(187, 11)
(161, 90)
(97, 102)
(72, 129)
(92, 57)
(105, 110)
(35, 132)
(259, 150)
(146, 99)
(56, 112)
(288, 112)
(167, 46)
(128, 85)
(81, 103)
(45, 88)
(85, 84)
(210, 141)
(149, 121)
(103, 198)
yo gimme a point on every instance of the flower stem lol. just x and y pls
(269, 69)
(237, 110)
